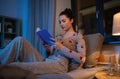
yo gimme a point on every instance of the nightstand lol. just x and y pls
(104, 75)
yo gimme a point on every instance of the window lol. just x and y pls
(111, 7)
(97, 16)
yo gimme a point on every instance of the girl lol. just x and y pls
(68, 54)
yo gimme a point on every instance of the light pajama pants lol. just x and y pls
(21, 53)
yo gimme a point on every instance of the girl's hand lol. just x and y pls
(47, 47)
(58, 45)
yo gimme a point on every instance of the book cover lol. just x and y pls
(45, 36)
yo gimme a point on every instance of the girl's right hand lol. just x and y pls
(47, 47)
(59, 45)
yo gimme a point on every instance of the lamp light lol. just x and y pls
(116, 25)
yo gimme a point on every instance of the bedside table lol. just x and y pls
(105, 75)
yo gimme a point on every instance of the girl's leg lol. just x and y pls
(19, 50)
(52, 65)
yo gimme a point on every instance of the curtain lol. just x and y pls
(40, 14)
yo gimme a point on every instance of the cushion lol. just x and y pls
(14, 72)
(94, 44)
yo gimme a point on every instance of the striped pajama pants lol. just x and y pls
(20, 52)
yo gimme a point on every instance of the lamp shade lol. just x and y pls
(116, 25)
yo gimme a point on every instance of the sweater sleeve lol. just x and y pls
(79, 54)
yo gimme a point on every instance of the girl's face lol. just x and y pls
(65, 22)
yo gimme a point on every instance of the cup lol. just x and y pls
(117, 58)
(117, 65)
(111, 65)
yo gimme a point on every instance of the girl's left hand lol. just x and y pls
(59, 45)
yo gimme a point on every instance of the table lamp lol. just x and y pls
(116, 25)
(116, 32)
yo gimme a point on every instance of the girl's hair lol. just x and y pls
(68, 12)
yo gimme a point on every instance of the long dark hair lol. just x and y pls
(68, 12)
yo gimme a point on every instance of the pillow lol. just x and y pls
(93, 48)
(15, 72)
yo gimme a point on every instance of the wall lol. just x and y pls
(60, 6)
(8, 8)
(16, 9)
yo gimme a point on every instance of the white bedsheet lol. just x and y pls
(88, 73)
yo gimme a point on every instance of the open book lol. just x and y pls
(45, 36)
